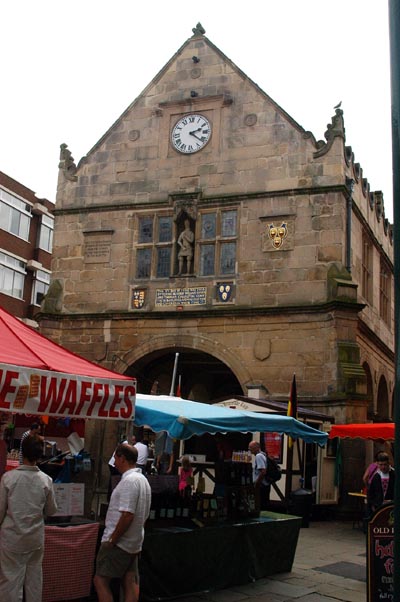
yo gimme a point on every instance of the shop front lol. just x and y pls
(41, 382)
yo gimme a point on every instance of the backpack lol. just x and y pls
(274, 471)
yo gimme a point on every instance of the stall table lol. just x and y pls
(361, 507)
(68, 562)
(184, 560)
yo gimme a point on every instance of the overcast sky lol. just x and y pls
(69, 69)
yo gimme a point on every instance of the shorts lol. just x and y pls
(113, 562)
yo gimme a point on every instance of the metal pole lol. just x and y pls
(172, 391)
(394, 34)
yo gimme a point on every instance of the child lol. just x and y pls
(185, 475)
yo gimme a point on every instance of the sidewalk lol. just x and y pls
(329, 566)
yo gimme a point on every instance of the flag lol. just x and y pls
(292, 405)
(178, 389)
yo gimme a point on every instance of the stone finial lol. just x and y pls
(199, 30)
(67, 163)
(334, 129)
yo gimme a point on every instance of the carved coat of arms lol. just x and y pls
(277, 234)
(225, 291)
(138, 298)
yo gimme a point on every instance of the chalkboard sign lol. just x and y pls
(380, 555)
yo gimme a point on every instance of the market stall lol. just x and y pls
(40, 378)
(374, 431)
(217, 539)
(182, 419)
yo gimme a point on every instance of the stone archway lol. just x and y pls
(382, 401)
(202, 377)
(370, 392)
(205, 351)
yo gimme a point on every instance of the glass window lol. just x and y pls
(154, 260)
(208, 225)
(366, 266)
(40, 286)
(145, 229)
(143, 263)
(384, 293)
(218, 256)
(207, 260)
(46, 233)
(228, 225)
(163, 262)
(12, 275)
(228, 258)
(164, 229)
(15, 215)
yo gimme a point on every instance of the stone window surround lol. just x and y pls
(217, 241)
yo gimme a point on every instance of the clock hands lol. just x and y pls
(194, 132)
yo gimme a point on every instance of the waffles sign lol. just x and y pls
(31, 391)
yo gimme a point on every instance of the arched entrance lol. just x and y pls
(203, 377)
(382, 401)
(370, 393)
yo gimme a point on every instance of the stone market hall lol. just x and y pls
(207, 222)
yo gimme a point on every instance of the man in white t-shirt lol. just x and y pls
(143, 454)
(262, 489)
(123, 536)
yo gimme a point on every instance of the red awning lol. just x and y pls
(40, 377)
(378, 430)
(23, 346)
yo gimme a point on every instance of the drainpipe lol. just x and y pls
(349, 203)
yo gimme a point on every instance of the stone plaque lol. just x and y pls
(97, 248)
(181, 296)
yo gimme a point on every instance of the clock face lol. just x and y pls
(191, 133)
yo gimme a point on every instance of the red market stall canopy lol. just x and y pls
(37, 376)
(382, 430)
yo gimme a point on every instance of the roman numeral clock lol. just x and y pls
(191, 133)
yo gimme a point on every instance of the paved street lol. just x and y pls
(330, 566)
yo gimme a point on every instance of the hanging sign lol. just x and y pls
(31, 391)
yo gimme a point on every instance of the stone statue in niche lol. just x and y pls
(185, 243)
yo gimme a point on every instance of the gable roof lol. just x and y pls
(165, 68)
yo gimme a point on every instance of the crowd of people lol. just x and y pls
(27, 498)
(22, 516)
